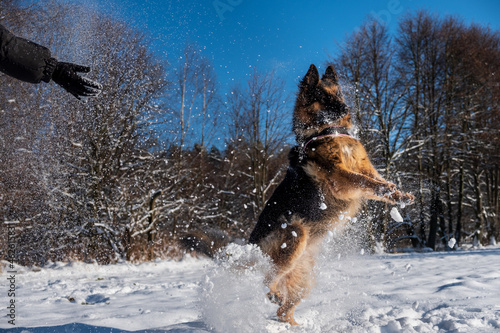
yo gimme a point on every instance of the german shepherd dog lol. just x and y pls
(329, 174)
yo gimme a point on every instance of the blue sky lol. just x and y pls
(285, 35)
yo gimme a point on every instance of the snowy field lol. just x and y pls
(425, 292)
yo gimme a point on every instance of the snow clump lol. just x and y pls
(395, 215)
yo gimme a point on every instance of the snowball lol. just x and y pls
(395, 215)
(283, 245)
(294, 234)
(452, 242)
(283, 226)
(341, 217)
(322, 206)
(354, 220)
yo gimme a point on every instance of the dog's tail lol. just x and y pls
(204, 242)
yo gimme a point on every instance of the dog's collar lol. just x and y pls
(327, 132)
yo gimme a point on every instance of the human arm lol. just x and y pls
(31, 62)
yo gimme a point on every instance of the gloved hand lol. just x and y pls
(65, 75)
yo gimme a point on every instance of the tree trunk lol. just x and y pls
(493, 202)
(458, 230)
(151, 234)
(478, 227)
(431, 241)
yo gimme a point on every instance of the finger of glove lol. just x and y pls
(84, 90)
(88, 87)
(91, 83)
(77, 80)
(80, 68)
(90, 92)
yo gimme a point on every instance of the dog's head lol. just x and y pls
(320, 104)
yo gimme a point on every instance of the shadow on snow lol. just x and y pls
(191, 327)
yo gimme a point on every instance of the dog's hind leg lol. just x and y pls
(297, 283)
(285, 247)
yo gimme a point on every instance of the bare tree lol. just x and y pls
(369, 65)
(258, 131)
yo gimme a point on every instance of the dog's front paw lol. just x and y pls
(385, 189)
(408, 199)
(402, 198)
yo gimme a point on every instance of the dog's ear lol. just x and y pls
(311, 79)
(330, 75)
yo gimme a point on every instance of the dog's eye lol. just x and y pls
(320, 95)
(324, 101)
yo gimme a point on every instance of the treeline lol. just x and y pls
(427, 101)
(163, 152)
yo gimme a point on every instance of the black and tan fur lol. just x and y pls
(329, 174)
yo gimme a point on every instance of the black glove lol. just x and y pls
(65, 75)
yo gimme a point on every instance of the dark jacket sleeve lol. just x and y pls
(23, 59)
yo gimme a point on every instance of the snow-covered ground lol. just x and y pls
(418, 292)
